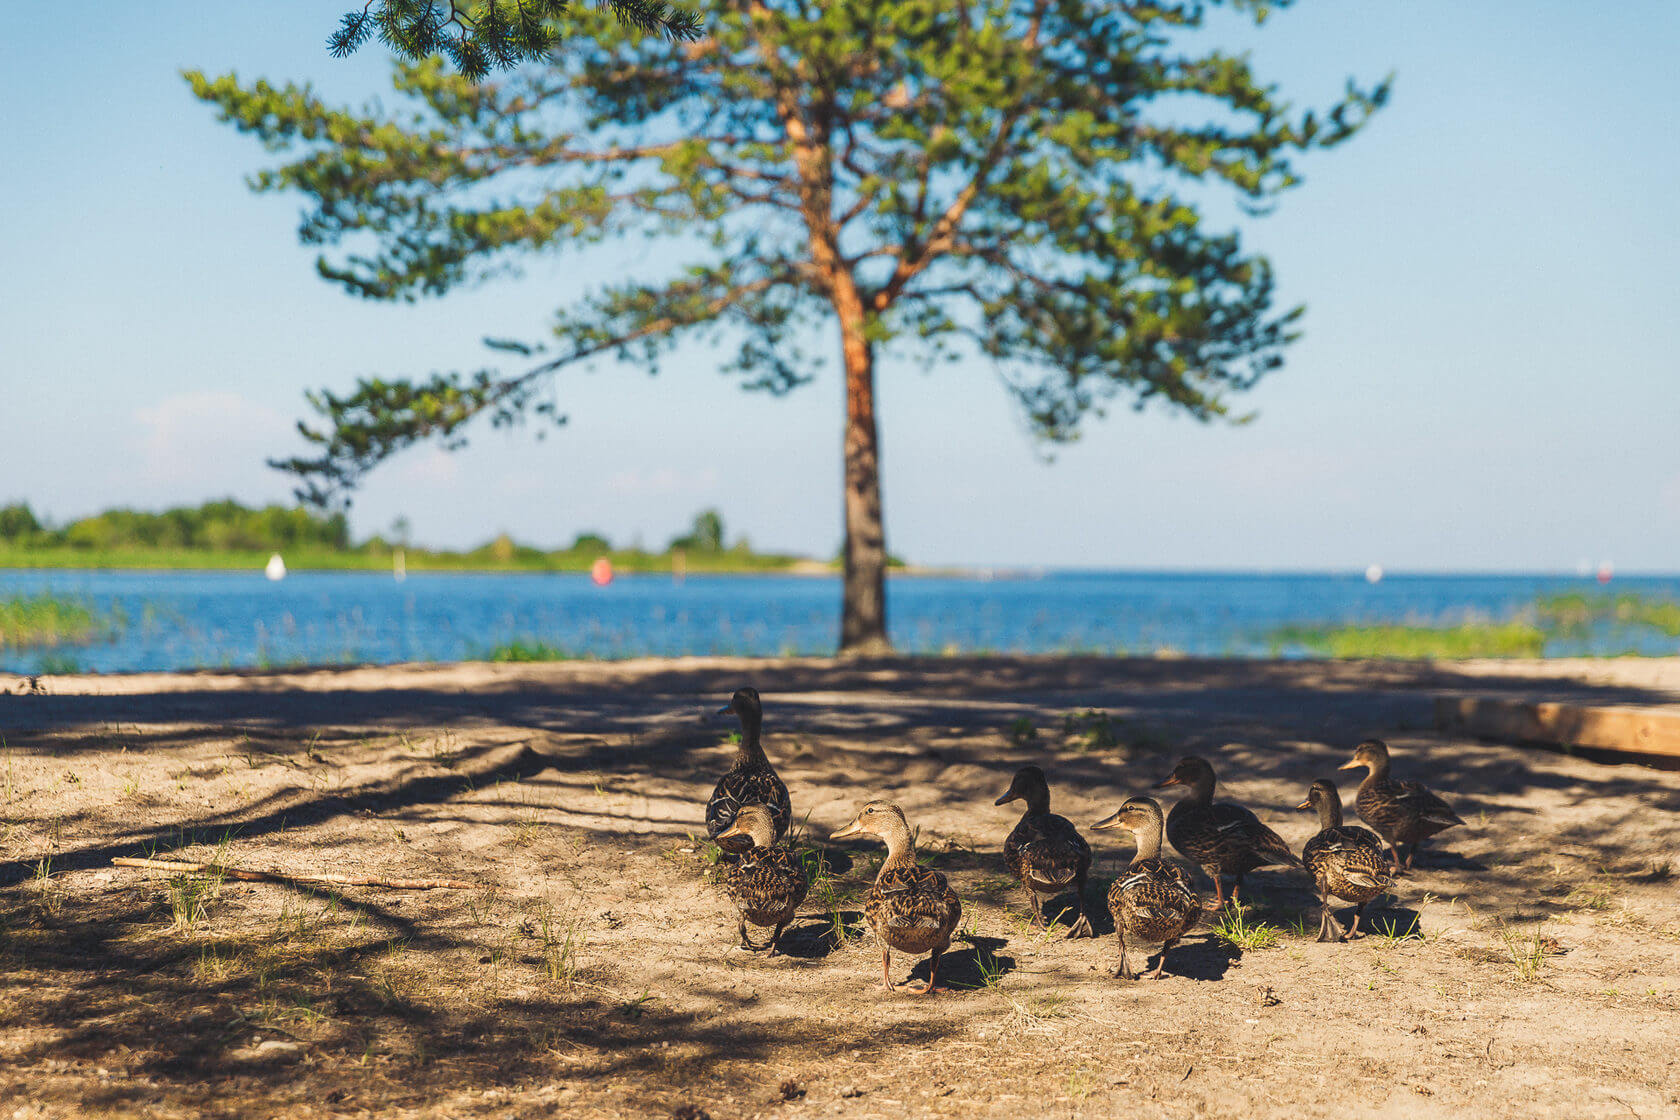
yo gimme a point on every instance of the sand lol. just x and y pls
(1533, 967)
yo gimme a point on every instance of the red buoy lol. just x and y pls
(601, 571)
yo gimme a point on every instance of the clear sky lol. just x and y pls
(1487, 378)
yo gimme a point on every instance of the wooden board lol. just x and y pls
(1635, 730)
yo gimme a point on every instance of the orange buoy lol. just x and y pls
(601, 571)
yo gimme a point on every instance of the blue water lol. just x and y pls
(182, 620)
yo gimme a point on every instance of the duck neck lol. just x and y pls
(901, 848)
(1148, 843)
(1376, 771)
(1038, 802)
(1329, 812)
(1201, 790)
(751, 749)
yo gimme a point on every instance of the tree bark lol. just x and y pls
(863, 604)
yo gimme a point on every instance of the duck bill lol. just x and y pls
(851, 830)
(1110, 821)
(1350, 764)
(726, 710)
(733, 831)
(1007, 798)
(1307, 804)
(1169, 780)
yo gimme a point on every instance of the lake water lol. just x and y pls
(181, 620)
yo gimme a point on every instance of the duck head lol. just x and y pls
(752, 822)
(1371, 754)
(1193, 772)
(1327, 801)
(1029, 785)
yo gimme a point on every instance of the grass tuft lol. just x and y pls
(1235, 929)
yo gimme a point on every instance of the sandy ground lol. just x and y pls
(593, 973)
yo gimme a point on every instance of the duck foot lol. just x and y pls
(1081, 928)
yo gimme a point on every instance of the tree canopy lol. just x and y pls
(996, 180)
(489, 34)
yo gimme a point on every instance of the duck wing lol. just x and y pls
(769, 881)
(1226, 836)
(1426, 805)
(747, 785)
(912, 897)
(1047, 850)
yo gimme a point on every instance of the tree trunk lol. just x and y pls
(863, 604)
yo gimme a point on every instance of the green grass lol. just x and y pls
(1236, 930)
(50, 620)
(1465, 639)
(529, 649)
(1574, 611)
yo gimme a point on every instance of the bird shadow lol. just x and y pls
(1207, 959)
(815, 938)
(976, 965)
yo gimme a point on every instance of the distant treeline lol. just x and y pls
(222, 526)
(226, 534)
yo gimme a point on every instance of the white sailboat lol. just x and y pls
(275, 569)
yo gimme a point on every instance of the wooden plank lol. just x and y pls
(1633, 730)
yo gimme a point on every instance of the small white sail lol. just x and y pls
(275, 568)
(1374, 574)
(399, 565)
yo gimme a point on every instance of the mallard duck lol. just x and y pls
(1401, 812)
(752, 780)
(1153, 901)
(769, 882)
(1045, 851)
(910, 908)
(1345, 861)
(1222, 838)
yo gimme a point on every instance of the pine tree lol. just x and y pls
(935, 179)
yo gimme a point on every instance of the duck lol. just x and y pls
(1400, 812)
(1153, 901)
(1221, 838)
(1345, 862)
(911, 908)
(1045, 851)
(769, 882)
(752, 780)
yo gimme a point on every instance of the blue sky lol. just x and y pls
(1487, 377)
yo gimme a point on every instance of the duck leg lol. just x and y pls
(886, 969)
(1122, 972)
(1329, 929)
(1082, 927)
(775, 938)
(1037, 907)
(929, 988)
(1353, 934)
(746, 943)
(1236, 886)
(1218, 888)
(1162, 963)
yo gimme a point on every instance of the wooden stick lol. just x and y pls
(181, 867)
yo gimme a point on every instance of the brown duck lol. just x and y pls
(752, 780)
(768, 883)
(1045, 851)
(1153, 901)
(1221, 838)
(910, 908)
(1401, 812)
(1345, 862)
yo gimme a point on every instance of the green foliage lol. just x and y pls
(529, 649)
(1575, 612)
(706, 535)
(223, 525)
(489, 34)
(996, 179)
(1235, 929)
(18, 522)
(49, 620)
(227, 535)
(1467, 639)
